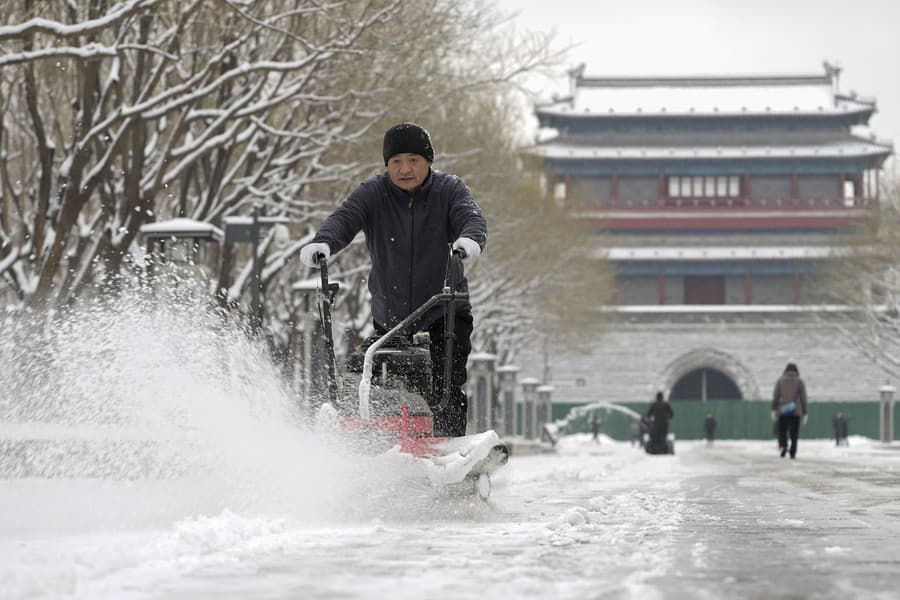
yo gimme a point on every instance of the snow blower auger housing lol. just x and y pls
(382, 396)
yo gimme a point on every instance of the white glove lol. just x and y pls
(309, 253)
(470, 247)
(805, 419)
(774, 416)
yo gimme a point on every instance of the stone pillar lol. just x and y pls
(481, 398)
(529, 408)
(886, 413)
(506, 413)
(544, 407)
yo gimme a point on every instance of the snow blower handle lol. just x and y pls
(328, 293)
(454, 273)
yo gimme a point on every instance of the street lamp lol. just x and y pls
(249, 229)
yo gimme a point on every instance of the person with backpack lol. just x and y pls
(789, 408)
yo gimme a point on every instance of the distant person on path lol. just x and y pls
(637, 432)
(841, 426)
(709, 425)
(659, 413)
(789, 408)
(595, 427)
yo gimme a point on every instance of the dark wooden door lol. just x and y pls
(704, 289)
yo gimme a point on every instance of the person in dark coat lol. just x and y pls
(840, 424)
(659, 413)
(709, 425)
(789, 408)
(595, 427)
(636, 430)
(412, 215)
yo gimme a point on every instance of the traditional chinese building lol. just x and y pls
(720, 200)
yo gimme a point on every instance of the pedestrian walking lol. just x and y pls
(595, 427)
(636, 432)
(840, 424)
(709, 426)
(789, 408)
(412, 215)
(659, 414)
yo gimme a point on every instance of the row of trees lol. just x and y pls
(114, 114)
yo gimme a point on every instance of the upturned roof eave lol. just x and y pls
(547, 114)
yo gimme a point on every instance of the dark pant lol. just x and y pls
(450, 416)
(788, 424)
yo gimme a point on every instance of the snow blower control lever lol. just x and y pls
(449, 296)
(327, 293)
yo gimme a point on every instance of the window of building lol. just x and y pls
(704, 289)
(721, 186)
(559, 191)
(849, 192)
(704, 186)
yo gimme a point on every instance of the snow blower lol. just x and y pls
(381, 398)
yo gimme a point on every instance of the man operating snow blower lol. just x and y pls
(411, 214)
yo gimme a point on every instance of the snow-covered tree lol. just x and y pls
(116, 114)
(865, 281)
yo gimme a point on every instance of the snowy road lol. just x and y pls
(591, 521)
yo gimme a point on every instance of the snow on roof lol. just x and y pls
(718, 253)
(482, 356)
(706, 96)
(728, 308)
(181, 227)
(858, 148)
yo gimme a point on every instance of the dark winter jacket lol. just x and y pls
(660, 411)
(789, 389)
(408, 237)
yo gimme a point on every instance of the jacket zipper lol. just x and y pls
(412, 234)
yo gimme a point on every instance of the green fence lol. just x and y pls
(737, 419)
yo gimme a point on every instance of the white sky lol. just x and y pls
(689, 37)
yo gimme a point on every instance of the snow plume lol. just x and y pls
(155, 400)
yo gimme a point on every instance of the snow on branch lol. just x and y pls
(86, 51)
(40, 25)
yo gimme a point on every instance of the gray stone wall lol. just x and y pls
(772, 289)
(638, 188)
(638, 290)
(674, 290)
(734, 290)
(588, 191)
(630, 361)
(818, 186)
(770, 187)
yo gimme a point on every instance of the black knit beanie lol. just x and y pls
(407, 137)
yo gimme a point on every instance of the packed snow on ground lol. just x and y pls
(587, 520)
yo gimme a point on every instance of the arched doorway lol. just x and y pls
(705, 384)
(728, 377)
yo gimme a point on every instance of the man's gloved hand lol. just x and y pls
(805, 419)
(310, 253)
(470, 247)
(774, 416)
